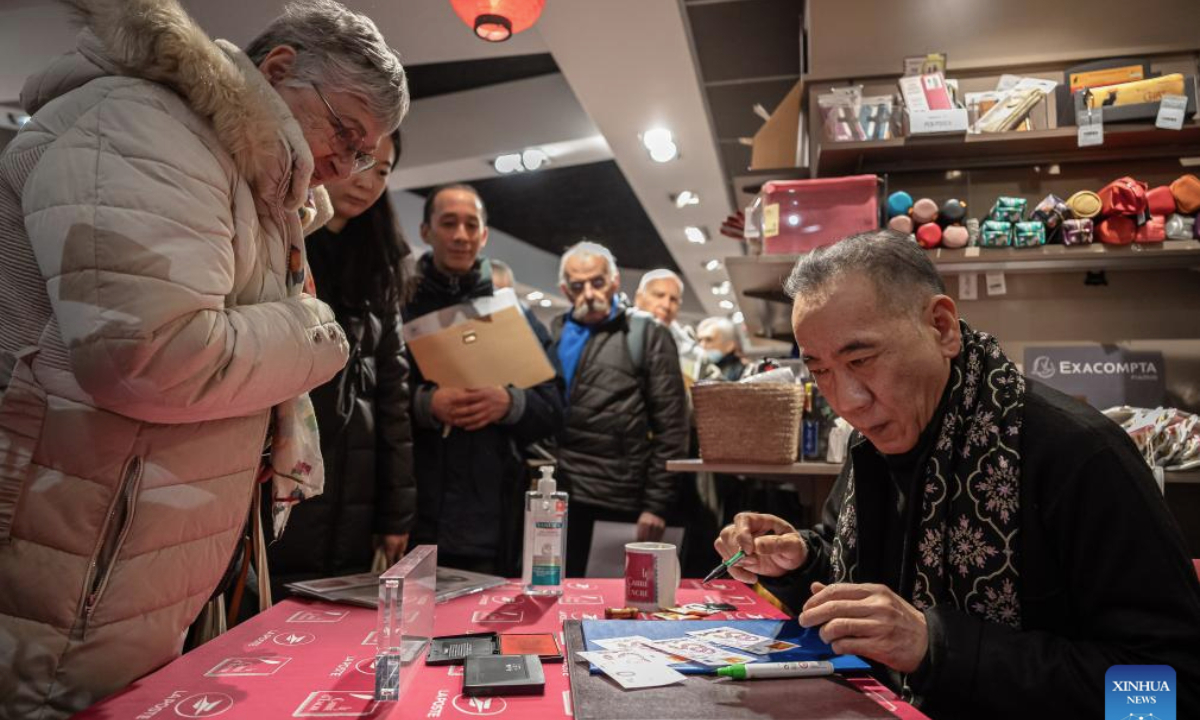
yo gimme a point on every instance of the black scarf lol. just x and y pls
(968, 528)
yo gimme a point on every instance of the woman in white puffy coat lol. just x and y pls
(155, 333)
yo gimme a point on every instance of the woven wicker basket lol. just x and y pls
(749, 422)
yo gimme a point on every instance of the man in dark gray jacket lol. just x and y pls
(626, 406)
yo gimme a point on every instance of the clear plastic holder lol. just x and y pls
(404, 624)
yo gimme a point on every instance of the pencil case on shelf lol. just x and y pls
(1008, 209)
(995, 233)
(1077, 231)
(1029, 234)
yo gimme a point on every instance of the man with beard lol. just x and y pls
(626, 405)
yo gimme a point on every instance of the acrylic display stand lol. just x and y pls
(407, 595)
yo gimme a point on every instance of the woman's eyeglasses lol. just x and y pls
(348, 139)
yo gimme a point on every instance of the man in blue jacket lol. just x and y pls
(466, 441)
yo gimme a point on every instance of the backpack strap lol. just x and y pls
(635, 339)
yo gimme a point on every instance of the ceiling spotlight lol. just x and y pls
(664, 153)
(546, 302)
(723, 288)
(530, 159)
(713, 265)
(508, 164)
(661, 145)
(685, 198)
(535, 296)
(657, 136)
(738, 318)
(726, 305)
(695, 234)
(534, 158)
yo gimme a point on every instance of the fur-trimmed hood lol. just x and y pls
(158, 41)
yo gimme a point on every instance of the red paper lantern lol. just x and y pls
(498, 20)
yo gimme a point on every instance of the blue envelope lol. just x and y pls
(811, 646)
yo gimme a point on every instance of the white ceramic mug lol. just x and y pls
(651, 575)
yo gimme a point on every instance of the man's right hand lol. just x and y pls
(772, 545)
(444, 402)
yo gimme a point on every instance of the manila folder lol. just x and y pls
(483, 343)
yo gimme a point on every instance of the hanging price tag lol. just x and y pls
(968, 286)
(1170, 112)
(995, 283)
(1091, 127)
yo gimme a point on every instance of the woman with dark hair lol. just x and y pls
(358, 262)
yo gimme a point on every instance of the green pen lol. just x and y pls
(804, 668)
(723, 568)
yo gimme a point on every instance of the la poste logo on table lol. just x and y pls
(1140, 692)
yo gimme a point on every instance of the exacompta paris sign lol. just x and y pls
(1103, 376)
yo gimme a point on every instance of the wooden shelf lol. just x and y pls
(758, 280)
(1183, 477)
(819, 469)
(1122, 141)
(800, 468)
(1061, 258)
(762, 276)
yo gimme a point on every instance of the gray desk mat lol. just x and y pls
(706, 697)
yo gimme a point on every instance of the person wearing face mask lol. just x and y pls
(359, 264)
(626, 415)
(717, 337)
(156, 339)
(470, 473)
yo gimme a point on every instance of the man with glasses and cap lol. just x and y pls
(627, 408)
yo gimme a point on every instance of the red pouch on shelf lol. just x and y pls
(1116, 230)
(1160, 201)
(1153, 231)
(929, 235)
(1123, 196)
(1187, 194)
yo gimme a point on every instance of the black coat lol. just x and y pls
(624, 423)
(366, 441)
(471, 484)
(1104, 578)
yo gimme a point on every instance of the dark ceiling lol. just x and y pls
(556, 208)
(434, 79)
(748, 52)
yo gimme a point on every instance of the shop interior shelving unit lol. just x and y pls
(1140, 296)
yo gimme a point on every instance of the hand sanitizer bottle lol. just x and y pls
(545, 554)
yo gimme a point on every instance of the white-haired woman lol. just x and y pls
(156, 342)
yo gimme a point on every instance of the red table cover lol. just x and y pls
(311, 659)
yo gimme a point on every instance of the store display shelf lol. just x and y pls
(762, 276)
(1059, 258)
(800, 468)
(1133, 141)
(1185, 477)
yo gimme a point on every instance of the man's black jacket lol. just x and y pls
(624, 423)
(1104, 578)
(470, 484)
